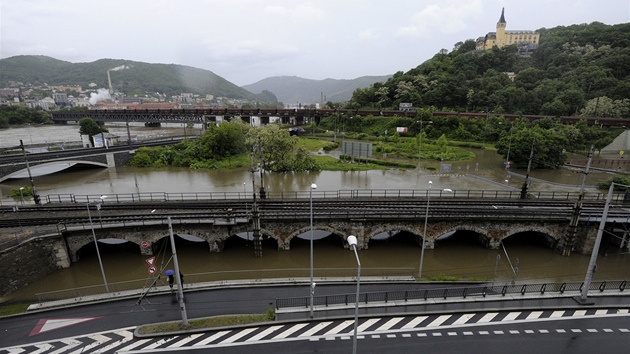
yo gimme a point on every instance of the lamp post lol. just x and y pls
(352, 241)
(426, 218)
(98, 253)
(98, 208)
(180, 291)
(22, 195)
(600, 231)
(424, 236)
(312, 285)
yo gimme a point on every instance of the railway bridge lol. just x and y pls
(16, 166)
(280, 222)
(488, 217)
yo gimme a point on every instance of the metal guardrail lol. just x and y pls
(195, 279)
(446, 293)
(340, 194)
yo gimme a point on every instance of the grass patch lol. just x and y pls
(211, 322)
(13, 309)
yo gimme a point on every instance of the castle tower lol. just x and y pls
(501, 30)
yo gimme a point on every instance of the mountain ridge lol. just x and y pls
(298, 90)
(141, 78)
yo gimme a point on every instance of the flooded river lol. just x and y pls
(460, 255)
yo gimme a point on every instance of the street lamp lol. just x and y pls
(424, 236)
(600, 231)
(98, 208)
(312, 286)
(22, 195)
(98, 253)
(180, 290)
(352, 241)
(426, 218)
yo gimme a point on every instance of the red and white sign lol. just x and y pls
(152, 269)
(151, 261)
(144, 244)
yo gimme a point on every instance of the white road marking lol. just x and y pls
(185, 340)
(213, 337)
(239, 335)
(463, 318)
(534, 315)
(290, 331)
(389, 324)
(556, 314)
(488, 317)
(367, 324)
(99, 339)
(438, 321)
(338, 328)
(413, 323)
(69, 344)
(511, 316)
(266, 332)
(127, 337)
(315, 329)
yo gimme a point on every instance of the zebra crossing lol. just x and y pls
(123, 341)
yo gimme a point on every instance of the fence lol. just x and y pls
(200, 280)
(445, 293)
(340, 194)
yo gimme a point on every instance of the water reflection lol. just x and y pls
(461, 254)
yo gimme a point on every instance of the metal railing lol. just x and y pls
(447, 293)
(198, 280)
(340, 194)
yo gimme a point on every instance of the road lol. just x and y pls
(108, 328)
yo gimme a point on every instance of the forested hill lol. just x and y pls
(577, 70)
(134, 77)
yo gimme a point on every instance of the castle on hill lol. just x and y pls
(527, 41)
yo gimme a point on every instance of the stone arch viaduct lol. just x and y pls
(214, 233)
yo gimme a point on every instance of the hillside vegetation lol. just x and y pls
(138, 79)
(577, 70)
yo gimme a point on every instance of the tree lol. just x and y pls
(87, 126)
(279, 150)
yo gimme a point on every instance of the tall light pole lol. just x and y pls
(352, 241)
(312, 285)
(22, 195)
(98, 253)
(426, 218)
(98, 208)
(600, 231)
(180, 291)
(424, 236)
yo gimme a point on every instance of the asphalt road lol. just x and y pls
(108, 327)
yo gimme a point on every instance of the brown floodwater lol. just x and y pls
(459, 255)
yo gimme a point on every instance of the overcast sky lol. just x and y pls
(245, 41)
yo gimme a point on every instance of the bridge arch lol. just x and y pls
(59, 166)
(285, 244)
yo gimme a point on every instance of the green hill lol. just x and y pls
(570, 73)
(138, 79)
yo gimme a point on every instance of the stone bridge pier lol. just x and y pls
(488, 233)
(213, 235)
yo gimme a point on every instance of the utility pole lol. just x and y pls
(569, 239)
(529, 168)
(30, 176)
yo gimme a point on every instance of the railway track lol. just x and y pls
(270, 210)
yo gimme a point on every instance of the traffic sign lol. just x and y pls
(144, 244)
(152, 269)
(151, 261)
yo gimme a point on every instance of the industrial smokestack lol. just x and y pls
(109, 77)
(109, 81)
